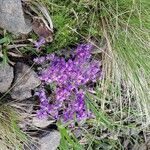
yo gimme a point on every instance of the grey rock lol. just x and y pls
(6, 77)
(12, 17)
(50, 141)
(41, 123)
(25, 80)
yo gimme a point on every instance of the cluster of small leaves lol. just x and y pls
(69, 78)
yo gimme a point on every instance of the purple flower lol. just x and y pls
(39, 60)
(41, 114)
(83, 51)
(62, 94)
(70, 78)
(40, 42)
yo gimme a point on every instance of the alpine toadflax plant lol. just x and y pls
(64, 84)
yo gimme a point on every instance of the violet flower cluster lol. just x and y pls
(68, 80)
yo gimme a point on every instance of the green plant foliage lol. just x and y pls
(10, 134)
(122, 97)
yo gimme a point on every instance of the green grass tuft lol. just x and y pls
(11, 137)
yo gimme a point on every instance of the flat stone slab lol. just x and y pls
(12, 17)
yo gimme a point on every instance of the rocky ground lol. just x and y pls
(19, 81)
